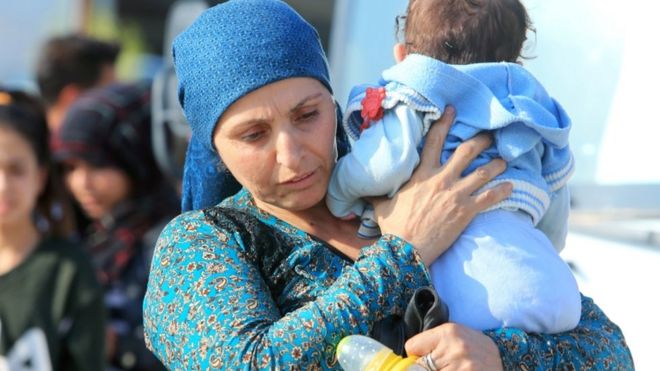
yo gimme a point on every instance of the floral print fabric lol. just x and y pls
(595, 344)
(232, 287)
(222, 296)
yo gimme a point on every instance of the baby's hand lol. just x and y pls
(350, 216)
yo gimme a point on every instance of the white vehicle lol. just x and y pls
(596, 58)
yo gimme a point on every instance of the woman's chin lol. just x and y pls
(297, 201)
(301, 203)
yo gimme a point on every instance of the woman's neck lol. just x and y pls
(313, 217)
(319, 222)
(17, 241)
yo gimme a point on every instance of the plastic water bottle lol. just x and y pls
(362, 353)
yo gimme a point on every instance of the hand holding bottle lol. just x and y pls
(362, 353)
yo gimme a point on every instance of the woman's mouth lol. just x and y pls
(300, 178)
(300, 181)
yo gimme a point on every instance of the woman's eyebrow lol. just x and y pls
(237, 126)
(305, 100)
(259, 120)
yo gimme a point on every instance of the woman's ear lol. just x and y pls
(399, 51)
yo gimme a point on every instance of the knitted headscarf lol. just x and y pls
(230, 50)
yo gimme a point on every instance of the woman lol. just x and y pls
(51, 306)
(269, 279)
(104, 146)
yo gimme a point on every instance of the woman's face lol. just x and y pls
(279, 143)
(21, 178)
(97, 189)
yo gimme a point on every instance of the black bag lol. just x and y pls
(424, 311)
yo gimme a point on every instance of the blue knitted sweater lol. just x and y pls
(529, 127)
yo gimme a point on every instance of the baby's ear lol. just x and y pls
(399, 51)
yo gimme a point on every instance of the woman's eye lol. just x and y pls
(308, 116)
(252, 136)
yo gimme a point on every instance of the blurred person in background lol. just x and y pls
(51, 306)
(68, 66)
(104, 145)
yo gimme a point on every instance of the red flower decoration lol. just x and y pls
(372, 108)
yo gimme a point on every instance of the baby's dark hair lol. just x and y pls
(466, 31)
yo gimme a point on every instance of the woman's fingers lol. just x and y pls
(432, 209)
(465, 153)
(435, 139)
(492, 196)
(455, 347)
(481, 175)
(425, 342)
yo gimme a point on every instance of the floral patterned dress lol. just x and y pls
(232, 287)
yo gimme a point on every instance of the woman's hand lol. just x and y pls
(456, 347)
(432, 209)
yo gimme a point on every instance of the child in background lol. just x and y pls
(105, 148)
(502, 271)
(51, 306)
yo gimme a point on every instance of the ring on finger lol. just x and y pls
(429, 362)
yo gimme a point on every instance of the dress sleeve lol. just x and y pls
(381, 160)
(595, 344)
(208, 306)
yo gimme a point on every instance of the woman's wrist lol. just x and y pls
(404, 254)
(423, 256)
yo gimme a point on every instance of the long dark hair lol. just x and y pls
(25, 115)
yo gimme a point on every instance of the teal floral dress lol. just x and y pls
(232, 287)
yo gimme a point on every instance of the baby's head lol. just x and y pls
(464, 31)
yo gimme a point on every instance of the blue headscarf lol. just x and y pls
(230, 50)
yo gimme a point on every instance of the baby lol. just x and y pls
(503, 271)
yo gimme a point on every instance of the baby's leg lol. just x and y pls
(504, 272)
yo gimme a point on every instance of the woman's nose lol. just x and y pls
(289, 149)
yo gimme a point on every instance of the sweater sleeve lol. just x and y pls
(595, 344)
(381, 160)
(207, 305)
(554, 223)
